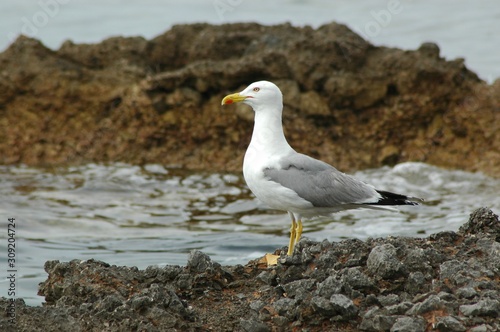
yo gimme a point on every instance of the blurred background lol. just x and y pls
(462, 28)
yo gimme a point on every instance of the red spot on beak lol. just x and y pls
(229, 101)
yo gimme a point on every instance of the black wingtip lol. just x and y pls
(389, 198)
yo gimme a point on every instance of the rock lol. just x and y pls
(253, 326)
(132, 99)
(399, 309)
(198, 261)
(299, 289)
(383, 262)
(377, 323)
(466, 292)
(322, 306)
(449, 324)
(349, 285)
(285, 307)
(482, 220)
(430, 50)
(485, 307)
(455, 271)
(416, 283)
(409, 324)
(432, 303)
(343, 306)
(355, 278)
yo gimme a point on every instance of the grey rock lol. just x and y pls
(252, 325)
(445, 296)
(299, 289)
(432, 303)
(357, 279)
(480, 328)
(383, 262)
(387, 300)
(285, 306)
(449, 324)
(328, 287)
(417, 260)
(199, 261)
(257, 305)
(343, 306)
(377, 323)
(416, 283)
(486, 307)
(409, 324)
(268, 277)
(280, 321)
(482, 220)
(466, 292)
(322, 306)
(455, 271)
(399, 309)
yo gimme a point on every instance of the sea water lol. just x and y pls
(151, 215)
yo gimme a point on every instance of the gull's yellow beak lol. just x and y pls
(233, 98)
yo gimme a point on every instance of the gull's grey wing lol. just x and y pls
(320, 183)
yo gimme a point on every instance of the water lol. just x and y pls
(462, 28)
(141, 216)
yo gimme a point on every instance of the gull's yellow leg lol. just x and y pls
(293, 235)
(298, 230)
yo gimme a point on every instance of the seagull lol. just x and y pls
(290, 181)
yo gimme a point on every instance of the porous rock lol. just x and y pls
(326, 286)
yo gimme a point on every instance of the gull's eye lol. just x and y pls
(256, 89)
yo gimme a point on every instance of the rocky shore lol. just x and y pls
(348, 102)
(449, 281)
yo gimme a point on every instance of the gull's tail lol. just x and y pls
(388, 198)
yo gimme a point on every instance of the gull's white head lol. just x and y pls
(257, 95)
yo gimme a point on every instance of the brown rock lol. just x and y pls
(346, 101)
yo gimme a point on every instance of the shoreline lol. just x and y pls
(447, 281)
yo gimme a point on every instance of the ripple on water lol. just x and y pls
(131, 215)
